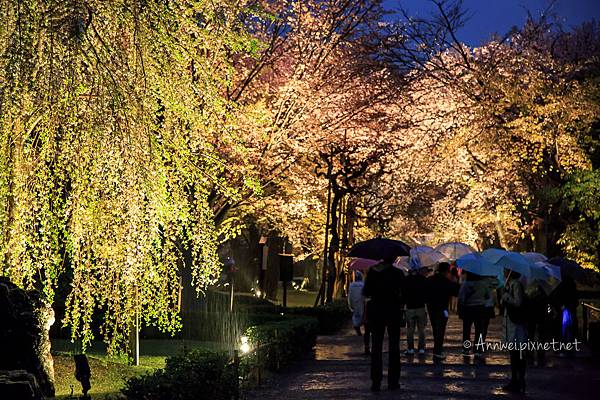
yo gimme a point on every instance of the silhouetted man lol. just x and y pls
(439, 290)
(383, 286)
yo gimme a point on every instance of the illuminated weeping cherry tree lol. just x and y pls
(110, 112)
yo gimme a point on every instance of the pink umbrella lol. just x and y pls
(361, 264)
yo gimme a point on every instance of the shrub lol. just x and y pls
(196, 375)
(331, 316)
(278, 343)
(261, 318)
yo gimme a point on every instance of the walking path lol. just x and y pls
(339, 370)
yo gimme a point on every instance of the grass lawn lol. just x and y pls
(296, 298)
(110, 373)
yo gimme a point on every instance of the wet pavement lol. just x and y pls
(339, 370)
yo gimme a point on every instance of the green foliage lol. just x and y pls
(331, 316)
(209, 375)
(278, 343)
(581, 239)
(112, 122)
(196, 375)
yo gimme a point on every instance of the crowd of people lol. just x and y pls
(388, 299)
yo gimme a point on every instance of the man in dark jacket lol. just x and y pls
(383, 287)
(439, 290)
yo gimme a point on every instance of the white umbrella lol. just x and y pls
(454, 250)
(546, 275)
(402, 263)
(425, 256)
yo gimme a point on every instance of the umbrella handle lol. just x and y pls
(509, 272)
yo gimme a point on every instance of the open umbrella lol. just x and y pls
(493, 255)
(534, 257)
(508, 259)
(546, 275)
(478, 265)
(425, 256)
(515, 262)
(402, 263)
(361, 264)
(454, 250)
(380, 249)
(568, 268)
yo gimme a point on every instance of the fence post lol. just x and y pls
(585, 322)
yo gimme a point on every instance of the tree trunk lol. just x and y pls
(540, 236)
(500, 231)
(272, 275)
(334, 245)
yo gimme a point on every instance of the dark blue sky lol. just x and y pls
(498, 16)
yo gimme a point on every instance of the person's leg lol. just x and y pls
(521, 372)
(433, 325)
(575, 325)
(478, 334)
(410, 329)
(486, 325)
(533, 332)
(436, 327)
(467, 322)
(394, 354)
(442, 331)
(377, 331)
(367, 338)
(543, 338)
(357, 318)
(421, 322)
(514, 369)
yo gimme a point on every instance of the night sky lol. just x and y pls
(498, 16)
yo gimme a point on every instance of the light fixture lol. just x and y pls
(245, 346)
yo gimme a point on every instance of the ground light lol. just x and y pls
(245, 346)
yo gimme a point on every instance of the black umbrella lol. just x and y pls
(380, 249)
(568, 268)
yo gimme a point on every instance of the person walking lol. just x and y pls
(490, 303)
(356, 302)
(515, 329)
(454, 277)
(383, 286)
(414, 293)
(569, 301)
(472, 298)
(439, 291)
(368, 334)
(536, 320)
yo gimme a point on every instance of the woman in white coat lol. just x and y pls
(356, 302)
